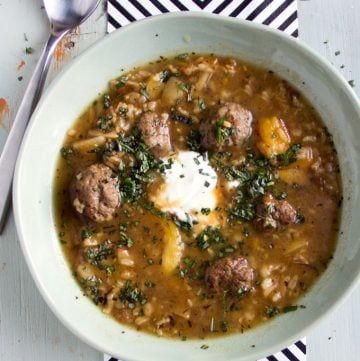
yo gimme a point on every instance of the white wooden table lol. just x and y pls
(28, 329)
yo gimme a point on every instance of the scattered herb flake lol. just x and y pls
(29, 50)
(290, 308)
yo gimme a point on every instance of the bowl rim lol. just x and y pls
(307, 50)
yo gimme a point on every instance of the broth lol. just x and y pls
(229, 197)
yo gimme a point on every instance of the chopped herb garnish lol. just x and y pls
(182, 56)
(210, 235)
(97, 254)
(222, 130)
(289, 156)
(224, 326)
(187, 89)
(337, 52)
(133, 179)
(150, 284)
(202, 105)
(90, 286)
(299, 219)
(144, 93)
(290, 308)
(132, 295)
(105, 122)
(86, 233)
(271, 311)
(204, 347)
(125, 239)
(66, 153)
(29, 50)
(107, 102)
(20, 78)
(205, 211)
(185, 226)
(123, 112)
(194, 141)
(166, 75)
(121, 82)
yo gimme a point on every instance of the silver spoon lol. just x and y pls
(63, 15)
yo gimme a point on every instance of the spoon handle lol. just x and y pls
(27, 106)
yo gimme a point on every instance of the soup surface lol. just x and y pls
(201, 195)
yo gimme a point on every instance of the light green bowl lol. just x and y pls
(74, 90)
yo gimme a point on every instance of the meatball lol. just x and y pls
(155, 132)
(232, 273)
(275, 212)
(229, 125)
(94, 193)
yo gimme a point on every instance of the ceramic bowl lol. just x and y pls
(82, 81)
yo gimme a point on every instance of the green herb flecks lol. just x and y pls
(86, 233)
(107, 102)
(223, 130)
(193, 141)
(132, 296)
(202, 105)
(290, 309)
(133, 180)
(97, 254)
(121, 82)
(290, 156)
(29, 50)
(210, 235)
(104, 123)
(166, 75)
(271, 311)
(186, 88)
(90, 286)
(66, 153)
(182, 56)
(125, 239)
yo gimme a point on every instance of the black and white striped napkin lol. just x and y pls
(278, 14)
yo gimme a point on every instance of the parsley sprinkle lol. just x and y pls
(290, 308)
(121, 82)
(205, 211)
(202, 105)
(29, 50)
(204, 347)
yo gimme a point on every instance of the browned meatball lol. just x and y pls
(275, 212)
(229, 125)
(155, 132)
(232, 274)
(94, 193)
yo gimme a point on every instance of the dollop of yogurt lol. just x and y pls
(188, 186)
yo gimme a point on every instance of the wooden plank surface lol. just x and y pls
(28, 329)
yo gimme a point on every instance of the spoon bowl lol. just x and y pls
(65, 14)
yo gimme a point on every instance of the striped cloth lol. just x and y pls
(278, 14)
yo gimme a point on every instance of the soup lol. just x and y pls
(199, 196)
